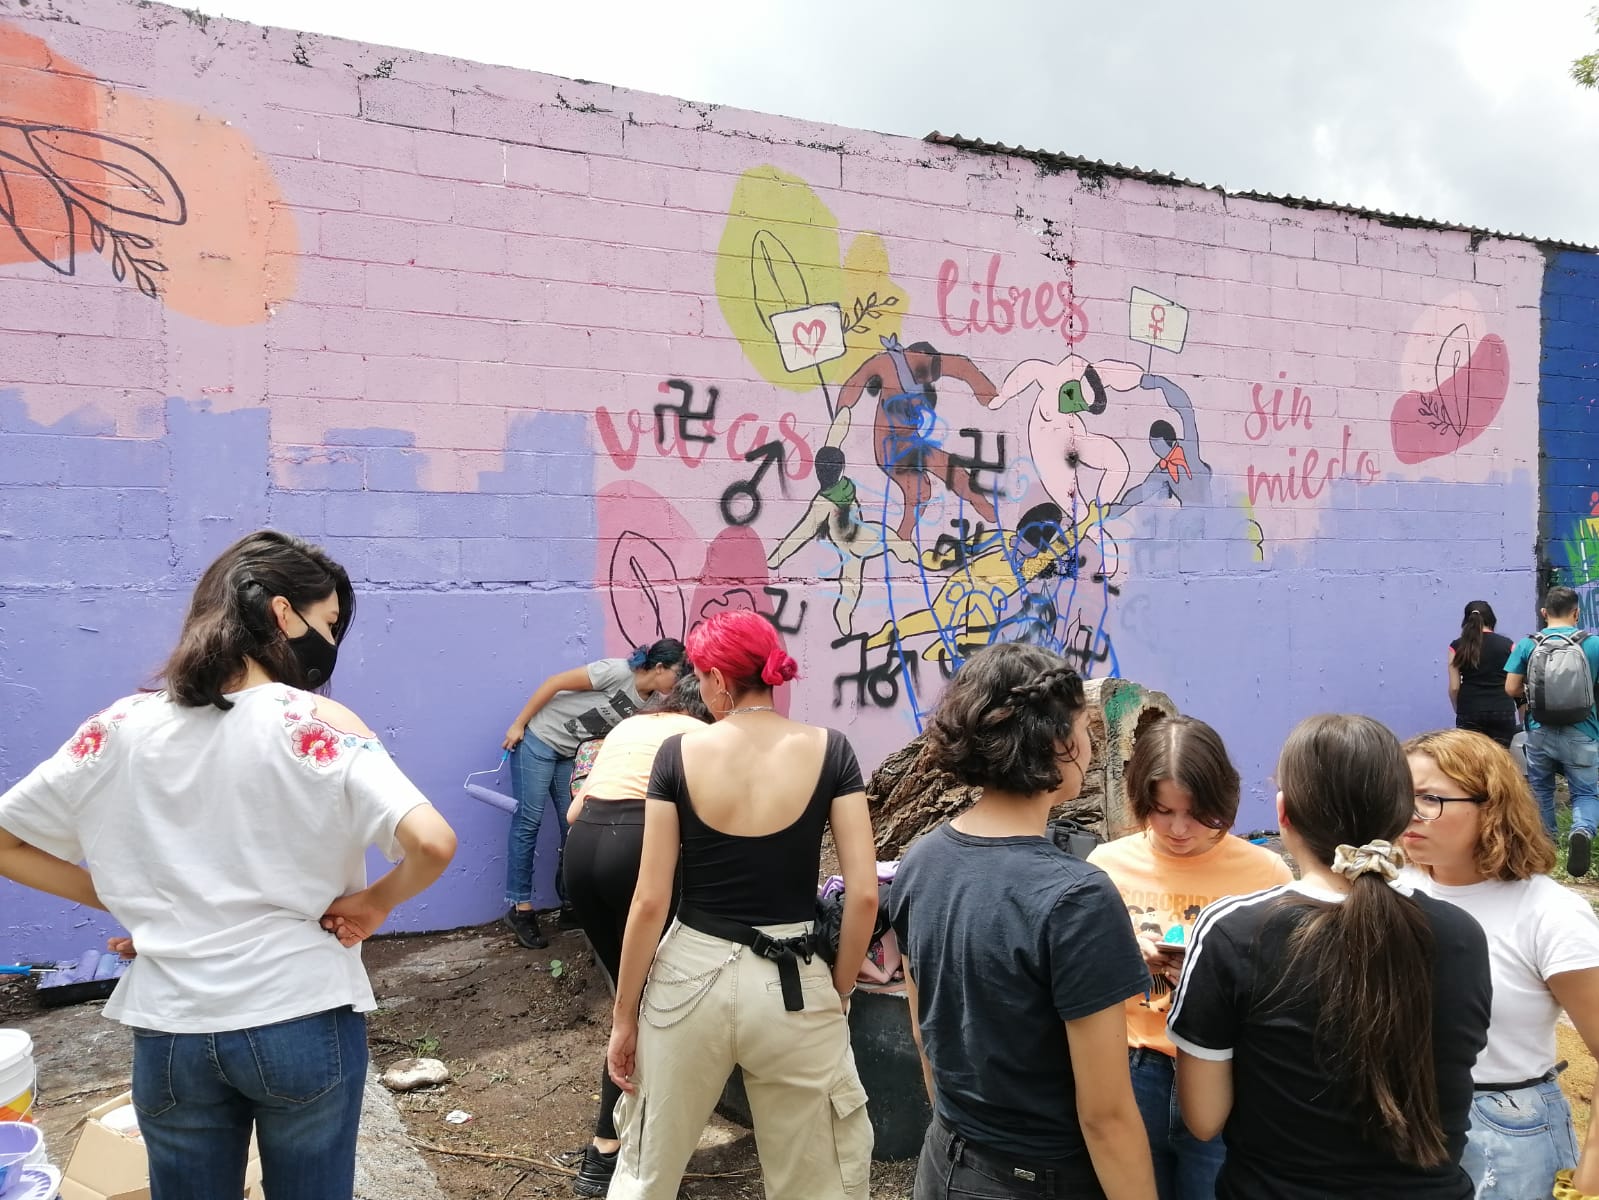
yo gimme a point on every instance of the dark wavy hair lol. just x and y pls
(230, 616)
(1002, 719)
(1345, 781)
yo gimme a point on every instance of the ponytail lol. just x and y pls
(1468, 652)
(1005, 719)
(1370, 957)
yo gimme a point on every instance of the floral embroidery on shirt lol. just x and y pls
(313, 740)
(318, 744)
(89, 741)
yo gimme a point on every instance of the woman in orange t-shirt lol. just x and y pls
(1183, 790)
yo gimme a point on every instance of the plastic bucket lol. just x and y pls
(21, 1148)
(18, 1078)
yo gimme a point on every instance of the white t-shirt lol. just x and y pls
(1535, 929)
(218, 840)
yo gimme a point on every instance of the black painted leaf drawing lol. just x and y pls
(97, 236)
(24, 181)
(868, 310)
(778, 284)
(105, 171)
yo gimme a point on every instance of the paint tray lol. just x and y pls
(91, 976)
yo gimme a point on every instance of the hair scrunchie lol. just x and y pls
(779, 668)
(1380, 857)
(638, 658)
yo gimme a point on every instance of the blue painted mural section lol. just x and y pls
(1568, 419)
(466, 602)
(1350, 620)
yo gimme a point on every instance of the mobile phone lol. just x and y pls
(1174, 949)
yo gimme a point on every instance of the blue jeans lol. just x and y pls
(1567, 749)
(1517, 1141)
(1185, 1167)
(539, 777)
(298, 1083)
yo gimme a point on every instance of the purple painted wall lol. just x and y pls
(555, 367)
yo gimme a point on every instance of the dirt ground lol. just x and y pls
(524, 1032)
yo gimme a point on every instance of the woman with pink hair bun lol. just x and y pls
(737, 980)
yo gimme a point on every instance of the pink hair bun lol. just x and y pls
(780, 668)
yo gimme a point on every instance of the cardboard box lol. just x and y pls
(106, 1165)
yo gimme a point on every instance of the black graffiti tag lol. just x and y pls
(748, 490)
(781, 597)
(684, 414)
(876, 683)
(978, 461)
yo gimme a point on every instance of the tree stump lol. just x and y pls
(907, 797)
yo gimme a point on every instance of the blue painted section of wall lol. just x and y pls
(1568, 417)
(467, 602)
(1353, 620)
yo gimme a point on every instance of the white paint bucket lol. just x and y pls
(18, 1078)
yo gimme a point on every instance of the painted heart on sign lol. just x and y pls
(808, 337)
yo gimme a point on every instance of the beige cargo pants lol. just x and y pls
(710, 1005)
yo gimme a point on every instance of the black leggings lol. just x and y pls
(1500, 728)
(600, 868)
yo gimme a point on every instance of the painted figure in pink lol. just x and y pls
(1061, 443)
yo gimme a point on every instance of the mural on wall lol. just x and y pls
(548, 401)
(176, 202)
(969, 489)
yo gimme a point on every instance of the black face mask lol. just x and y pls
(316, 655)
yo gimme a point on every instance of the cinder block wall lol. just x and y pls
(1569, 420)
(556, 368)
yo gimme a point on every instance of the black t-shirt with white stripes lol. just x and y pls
(1296, 1129)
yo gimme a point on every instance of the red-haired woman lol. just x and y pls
(1476, 840)
(737, 981)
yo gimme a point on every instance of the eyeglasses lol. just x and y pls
(1430, 807)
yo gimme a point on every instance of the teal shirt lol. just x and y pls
(1516, 664)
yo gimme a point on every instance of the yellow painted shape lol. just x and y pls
(780, 251)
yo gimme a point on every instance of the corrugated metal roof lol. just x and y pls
(1091, 167)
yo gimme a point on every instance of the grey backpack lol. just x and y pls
(1559, 679)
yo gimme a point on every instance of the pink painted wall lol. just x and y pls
(556, 367)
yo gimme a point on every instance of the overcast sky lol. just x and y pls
(1460, 110)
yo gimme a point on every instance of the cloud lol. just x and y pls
(1460, 110)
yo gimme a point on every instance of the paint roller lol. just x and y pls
(488, 795)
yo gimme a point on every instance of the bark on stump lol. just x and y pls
(907, 798)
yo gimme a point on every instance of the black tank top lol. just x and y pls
(1482, 688)
(766, 880)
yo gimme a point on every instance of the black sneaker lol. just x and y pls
(1579, 851)
(526, 927)
(567, 922)
(594, 1176)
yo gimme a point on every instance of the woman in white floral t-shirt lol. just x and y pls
(224, 822)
